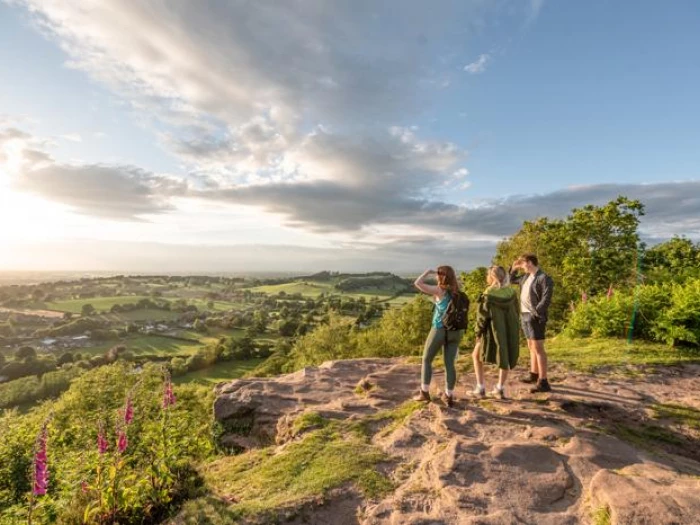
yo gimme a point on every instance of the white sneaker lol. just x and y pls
(479, 391)
(500, 393)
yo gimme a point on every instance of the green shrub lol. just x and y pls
(668, 312)
(679, 324)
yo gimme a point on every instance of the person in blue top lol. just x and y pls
(440, 338)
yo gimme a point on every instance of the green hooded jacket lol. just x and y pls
(498, 327)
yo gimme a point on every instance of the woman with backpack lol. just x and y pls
(497, 331)
(448, 324)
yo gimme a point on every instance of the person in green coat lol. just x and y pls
(497, 331)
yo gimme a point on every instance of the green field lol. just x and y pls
(101, 304)
(305, 288)
(146, 344)
(217, 306)
(314, 289)
(219, 372)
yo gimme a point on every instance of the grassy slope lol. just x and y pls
(592, 354)
(263, 482)
(219, 372)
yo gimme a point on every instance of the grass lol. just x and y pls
(146, 344)
(601, 516)
(261, 481)
(269, 483)
(101, 304)
(589, 355)
(305, 288)
(217, 306)
(646, 436)
(314, 289)
(219, 372)
(683, 415)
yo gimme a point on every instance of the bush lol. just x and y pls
(679, 324)
(667, 313)
(29, 389)
(25, 352)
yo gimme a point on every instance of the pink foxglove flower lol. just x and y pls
(41, 472)
(102, 443)
(84, 487)
(122, 442)
(168, 395)
(584, 297)
(128, 411)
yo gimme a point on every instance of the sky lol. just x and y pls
(348, 135)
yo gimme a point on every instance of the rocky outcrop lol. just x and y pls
(596, 448)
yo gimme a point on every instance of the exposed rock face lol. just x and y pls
(591, 446)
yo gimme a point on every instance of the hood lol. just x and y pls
(500, 297)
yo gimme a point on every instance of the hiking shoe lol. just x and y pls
(532, 379)
(422, 396)
(499, 393)
(542, 386)
(479, 391)
(448, 400)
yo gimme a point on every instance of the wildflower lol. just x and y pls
(102, 443)
(122, 441)
(84, 487)
(41, 472)
(584, 297)
(128, 411)
(610, 292)
(168, 395)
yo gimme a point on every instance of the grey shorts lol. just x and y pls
(533, 327)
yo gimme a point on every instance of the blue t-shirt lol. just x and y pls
(440, 309)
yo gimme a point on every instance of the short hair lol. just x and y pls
(531, 258)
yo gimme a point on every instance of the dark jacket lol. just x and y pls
(498, 327)
(540, 292)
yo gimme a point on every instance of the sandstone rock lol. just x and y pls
(647, 495)
(484, 462)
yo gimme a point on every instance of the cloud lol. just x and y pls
(479, 65)
(108, 191)
(211, 71)
(72, 137)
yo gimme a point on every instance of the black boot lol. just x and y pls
(542, 386)
(531, 379)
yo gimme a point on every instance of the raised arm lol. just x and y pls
(513, 274)
(429, 289)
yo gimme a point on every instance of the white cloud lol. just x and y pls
(72, 137)
(479, 65)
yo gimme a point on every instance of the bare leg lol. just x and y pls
(502, 376)
(478, 366)
(533, 356)
(541, 357)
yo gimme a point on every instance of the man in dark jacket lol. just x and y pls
(536, 289)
